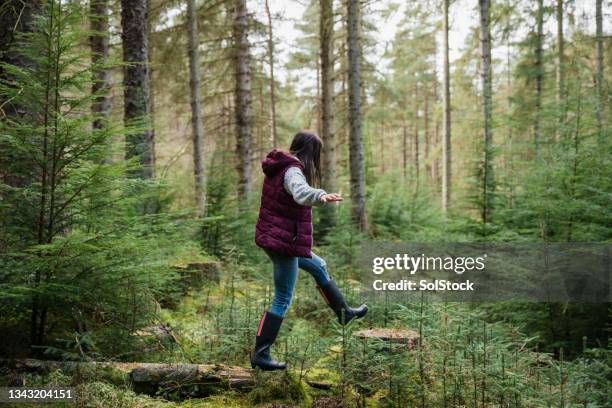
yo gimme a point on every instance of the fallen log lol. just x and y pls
(152, 378)
(202, 378)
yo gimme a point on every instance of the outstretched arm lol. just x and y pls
(295, 184)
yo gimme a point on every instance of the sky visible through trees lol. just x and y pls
(463, 16)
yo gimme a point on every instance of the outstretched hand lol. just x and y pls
(328, 198)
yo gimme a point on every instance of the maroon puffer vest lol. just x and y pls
(283, 226)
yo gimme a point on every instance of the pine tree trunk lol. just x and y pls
(381, 133)
(356, 150)
(560, 69)
(426, 137)
(486, 79)
(435, 163)
(136, 83)
(327, 95)
(537, 133)
(101, 75)
(327, 108)
(600, 66)
(317, 116)
(197, 122)
(382, 146)
(272, 84)
(509, 158)
(259, 148)
(343, 130)
(242, 97)
(446, 122)
(151, 74)
(416, 137)
(435, 168)
(404, 149)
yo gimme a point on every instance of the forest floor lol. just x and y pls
(400, 355)
(212, 323)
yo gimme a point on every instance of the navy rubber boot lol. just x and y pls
(269, 327)
(336, 302)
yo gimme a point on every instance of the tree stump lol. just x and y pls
(391, 336)
(162, 332)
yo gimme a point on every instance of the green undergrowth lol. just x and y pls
(462, 359)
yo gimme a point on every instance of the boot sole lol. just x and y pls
(265, 368)
(354, 317)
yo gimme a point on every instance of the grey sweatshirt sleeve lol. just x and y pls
(295, 184)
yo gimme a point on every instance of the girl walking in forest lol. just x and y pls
(284, 231)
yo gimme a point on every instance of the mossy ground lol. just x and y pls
(463, 360)
(272, 390)
(200, 322)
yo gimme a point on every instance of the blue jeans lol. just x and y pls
(285, 277)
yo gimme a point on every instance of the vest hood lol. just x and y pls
(277, 160)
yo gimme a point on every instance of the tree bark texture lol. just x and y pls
(486, 80)
(242, 97)
(197, 121)
(446, 121)
(404, 150)
(326, 37)
(537, 131)
(415, 122)
(327, 94)
(560, 69)
(136, 83)
(273, 133)
(426, 136)
(600, 65)
(101, 75)
(356, 146)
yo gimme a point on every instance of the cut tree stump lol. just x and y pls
(162, 332)
(395, 336)
(149, 378)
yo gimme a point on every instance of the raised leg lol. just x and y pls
(317, 267)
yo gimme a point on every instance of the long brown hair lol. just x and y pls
(306, 146)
